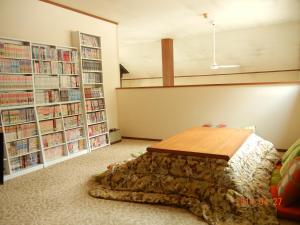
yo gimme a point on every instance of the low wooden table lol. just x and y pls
(219, 143)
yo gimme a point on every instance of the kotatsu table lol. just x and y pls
(219, 143)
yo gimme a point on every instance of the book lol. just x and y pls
(48, 126)
(95, 117)
(44, 52)
(25, 161)
(15, 65)
(46, 82)
(73, 121)
(69, 81)
(12, 50)
(11, 82)
(90, 53)
(93, 92)
(67, 55)
(74, 134)
(96, 129)
(25, 146)
(70, 95)
(46, 96)
(48, 112)
(92, 78)
(54, 139)
(16, 98)
(95, 104)
(90, 40)
(71, 109)
(98, 141)
(12, 133)
(10, 117)
(76, 146)
(91, 65)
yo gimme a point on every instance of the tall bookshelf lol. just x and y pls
(17, 113)
(92, 88)
(41, 108)
(58, 102)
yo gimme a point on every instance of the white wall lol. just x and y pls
(264, 48)
(162, 112)
(44, 23)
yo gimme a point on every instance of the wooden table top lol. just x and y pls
(209, 142)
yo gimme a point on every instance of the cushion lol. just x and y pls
(286, 164)
(275, 178)
(289, 186)
(290, 150)
(290, 212)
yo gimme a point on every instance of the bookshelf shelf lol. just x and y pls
(88, 46)
(14, 124)
(27, 153)
(51, 82)
(103, 121)
(19, 139)
(52, 132)
(91, 59)
(96, 135)
(92, 89)
(54, 146)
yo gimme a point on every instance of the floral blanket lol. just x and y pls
(216, 190)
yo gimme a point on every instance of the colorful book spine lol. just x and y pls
(74, 134)
(96, 117)
(70, 95)
(15, 66)
(76, 146)
(48, 112)
(92, 78)
(90, 53)
(97, 129)
(89, 40)
(54, 153)
(48, 126)
(25, 161)
(67, 68)
(69, 81)
(72, 121)
(17, 148)
(16, 98)
(95, 104)
(10, 117)
(14, 50)
(71, 109)
(67, 55)
(91, 65)
(16, 132)
(46, 96)
(93, 92)
(46, 82)
(11, 82)
(44, 53)
(53, 139)
(98, 141)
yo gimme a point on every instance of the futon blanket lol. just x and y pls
(216, 190)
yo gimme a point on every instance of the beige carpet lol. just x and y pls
(58, 195)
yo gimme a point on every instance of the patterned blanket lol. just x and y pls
(218, 191)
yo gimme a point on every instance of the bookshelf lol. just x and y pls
(58, 100)
(92, 88)
(41, 114)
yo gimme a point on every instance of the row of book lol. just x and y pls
(96, 129)
(89, 40)
(66, 68)
(90, 53)
(48, 112)
(92, 78)
(69, 81)
(18, 116)
(71, 109)
(95, 104)
(70, 95)
(47, 67)
(44, 52)
(52, 139)
(43, 67)
(98, 141)
(48, 126)
(91, 65)
(20, 147)
(76, 146)
(15, 66)
(14, 50)
(93, 92)
(8, 82)
(16, 132)
(46, 82)
(54, 153)
(67, 55)
(96, 117)
(74, 134)
(72, 121)
(46, 96)
(25, 161)
(16, 98)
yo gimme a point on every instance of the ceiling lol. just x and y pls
(146, 21)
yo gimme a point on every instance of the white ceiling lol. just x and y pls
(145, 21)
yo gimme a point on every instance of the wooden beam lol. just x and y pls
(78, 11)
(167, 62)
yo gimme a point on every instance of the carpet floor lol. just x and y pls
(58, 195)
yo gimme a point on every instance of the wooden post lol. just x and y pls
(167, 62)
